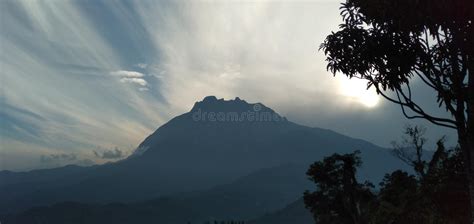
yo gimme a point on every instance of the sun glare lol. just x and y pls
(356, 90)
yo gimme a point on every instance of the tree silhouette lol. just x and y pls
(391, 43)
(339, 198)
(410, 150)
(437, 196)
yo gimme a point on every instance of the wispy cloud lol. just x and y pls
(56, 64)
(110, 154)
(142, 65)
(54, 158)
(61, 159)
(139, 81)
(131, 77)
(127, 74)
(246, 50)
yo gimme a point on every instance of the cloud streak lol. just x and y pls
(131, 77)
(127, 74)
(54, 158)
(56, 64)
(138, 81)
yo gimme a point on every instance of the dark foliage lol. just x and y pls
(439, 195)
(339, 198)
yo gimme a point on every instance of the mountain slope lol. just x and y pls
(293, 213)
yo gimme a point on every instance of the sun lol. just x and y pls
(356, 90)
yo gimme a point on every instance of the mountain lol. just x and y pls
(215, 143)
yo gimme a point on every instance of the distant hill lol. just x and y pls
(259, 193)
(293, 213)
(215, 143)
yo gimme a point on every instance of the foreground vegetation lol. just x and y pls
(436, 191)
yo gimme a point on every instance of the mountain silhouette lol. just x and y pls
(216, 143)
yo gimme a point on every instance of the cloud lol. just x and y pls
(62, 159)
(131, 77)
(53, 59)
(127, 74)
(110, 154)
(141, 65)
(254, 51)
(139, 81)
(58, 158)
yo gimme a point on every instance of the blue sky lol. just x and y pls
(82, 80)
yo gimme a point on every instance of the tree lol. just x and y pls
(398, 200)
(411, 150)
(438, 194)
(391, 43)
(339, 198)
(437, 197)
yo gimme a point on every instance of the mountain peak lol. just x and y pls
(213, 99)
(209, 99)
(212, 103)
(237, 105)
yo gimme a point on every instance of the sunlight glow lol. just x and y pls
(356, 90)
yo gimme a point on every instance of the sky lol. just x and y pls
(84, 82)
